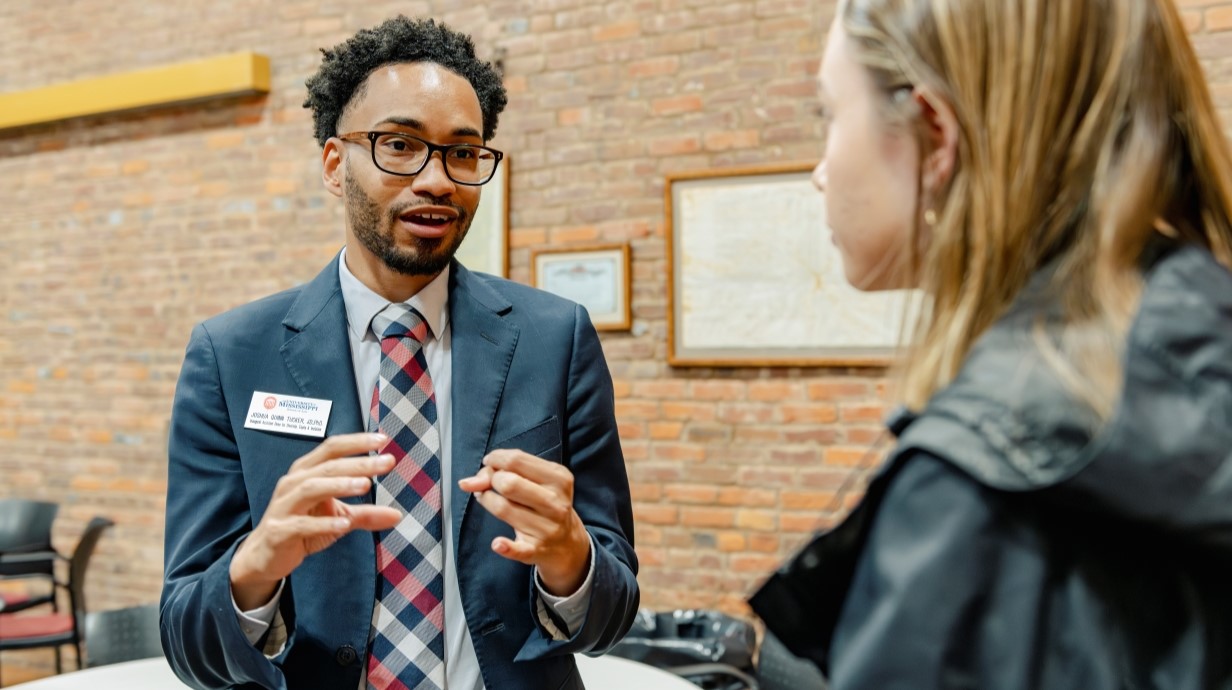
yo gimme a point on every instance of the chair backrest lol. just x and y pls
(122, 635)
(25, 528)
(26, 525)
(80, 560)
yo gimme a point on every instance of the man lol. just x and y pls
(406, 550)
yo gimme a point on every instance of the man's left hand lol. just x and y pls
(535, 497)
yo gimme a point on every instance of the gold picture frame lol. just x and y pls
(596, 276)
(754, 280)
(486, 247)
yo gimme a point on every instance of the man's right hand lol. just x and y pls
(305, 515)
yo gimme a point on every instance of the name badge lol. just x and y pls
(288, 414)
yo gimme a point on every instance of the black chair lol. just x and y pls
(26, 551)
(708, 648)
(120, 635)
(31, 631)
(779, 669)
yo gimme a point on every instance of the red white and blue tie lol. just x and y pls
(407, 647)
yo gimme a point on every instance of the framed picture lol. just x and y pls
(597, 277)
(754, 279)
(486, 247)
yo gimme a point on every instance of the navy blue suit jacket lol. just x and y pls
(528, 373)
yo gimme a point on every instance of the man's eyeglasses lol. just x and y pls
(403, 154)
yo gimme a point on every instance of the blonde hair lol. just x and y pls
(1086, 128)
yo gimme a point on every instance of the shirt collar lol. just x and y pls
(362, 303)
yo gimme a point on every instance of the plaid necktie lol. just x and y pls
(407, 649)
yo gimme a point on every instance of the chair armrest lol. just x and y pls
(714, 669)
(15, 557)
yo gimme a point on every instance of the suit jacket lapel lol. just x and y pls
(482, 348)
(317, 353)
(317, 350)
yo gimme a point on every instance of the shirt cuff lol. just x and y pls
(255, 622)
(571, 610)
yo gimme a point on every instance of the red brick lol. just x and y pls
(1219, 18)
(799, 522)
(637, 409)
(759, 520)
(863, 413)
(674, 145)
(645, 493)
(698, 412)
(830, 389)
(754, 563)
(614, 32)
(563, 236)
(764, 543)
(774, 391)
(808, 500)
(653, 67)
(676, 105)
(742, 496)
(718, 390)
(690, 493)
(660, 389)
(707, 517)
(656, 514)
(731, 541)
(685, 452)
(722, 141)
(808, 413)
(849, 457)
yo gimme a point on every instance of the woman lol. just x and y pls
(1052, 176)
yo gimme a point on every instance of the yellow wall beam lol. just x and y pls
(220, 76)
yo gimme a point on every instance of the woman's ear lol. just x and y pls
(941, 136)
(331, 166)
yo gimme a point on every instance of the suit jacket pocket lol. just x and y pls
(542, 440)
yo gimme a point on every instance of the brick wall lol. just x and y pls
(119, 233)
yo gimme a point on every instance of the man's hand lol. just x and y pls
(535, 498)
(305, 515)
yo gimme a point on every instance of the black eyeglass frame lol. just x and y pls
(356, 137)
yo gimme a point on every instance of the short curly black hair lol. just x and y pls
(395, 41)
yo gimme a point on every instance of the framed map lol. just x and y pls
(755, 280)
(596, 277)
(486, 247)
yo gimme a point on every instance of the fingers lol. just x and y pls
(549, 502)
(330, 527)
(307, 493)
(362, 466)
(535, 469)
(520, 518)
(552, 502)
(544, 486)
(307, 527)
(299, 492)
(535, 498)
(482, 481)
(514, 550)
(301, 489)
(340, 446)
(374, 518)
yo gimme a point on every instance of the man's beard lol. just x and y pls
(430, 255)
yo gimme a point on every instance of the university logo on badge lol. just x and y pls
(271, 402)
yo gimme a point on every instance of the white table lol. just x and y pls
(604, 673)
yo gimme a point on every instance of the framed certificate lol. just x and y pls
(596, 277)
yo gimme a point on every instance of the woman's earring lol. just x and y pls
(930, 217)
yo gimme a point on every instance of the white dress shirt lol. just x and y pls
(432, 302)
